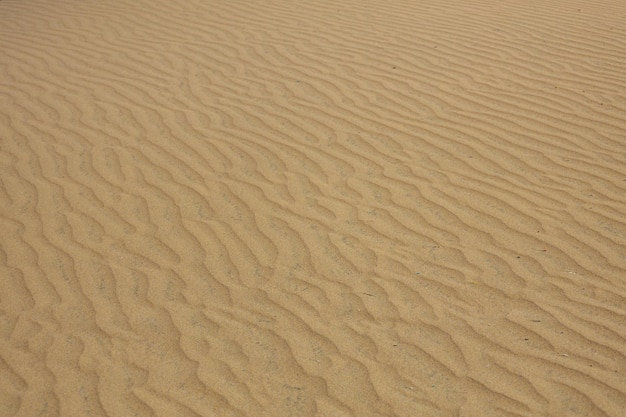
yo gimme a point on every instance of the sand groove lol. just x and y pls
(312, 208)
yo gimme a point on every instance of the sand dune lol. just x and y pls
(293, 208)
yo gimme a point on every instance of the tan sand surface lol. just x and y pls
(312, 208)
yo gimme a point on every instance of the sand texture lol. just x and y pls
(312, 208)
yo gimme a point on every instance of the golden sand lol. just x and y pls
(312, 208)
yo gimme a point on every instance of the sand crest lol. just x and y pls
(320, 208)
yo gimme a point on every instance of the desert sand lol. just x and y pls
(312, 208)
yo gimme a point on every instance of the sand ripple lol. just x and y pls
(319, 208)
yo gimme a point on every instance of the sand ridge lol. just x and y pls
(295, 208)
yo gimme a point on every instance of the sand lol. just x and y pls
(312, 208)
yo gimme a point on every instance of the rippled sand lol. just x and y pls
(312, 208)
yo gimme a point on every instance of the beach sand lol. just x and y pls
(312, 208)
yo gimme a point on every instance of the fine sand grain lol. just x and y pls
(312, 208)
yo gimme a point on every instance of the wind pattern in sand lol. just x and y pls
(312, 208)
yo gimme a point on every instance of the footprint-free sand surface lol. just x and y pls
(312, 208)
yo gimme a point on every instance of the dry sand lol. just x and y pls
(312, 208)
